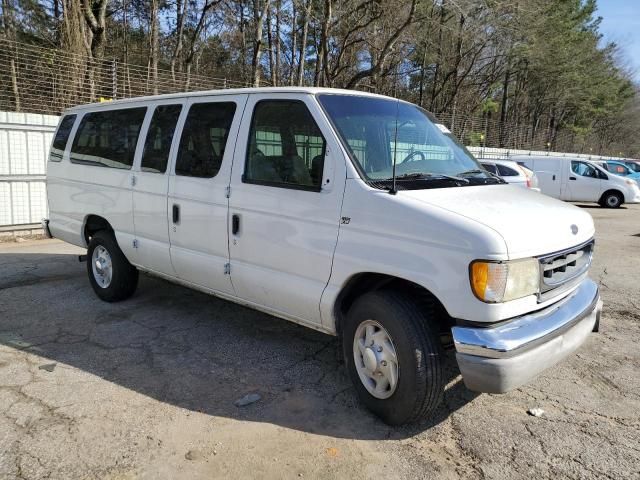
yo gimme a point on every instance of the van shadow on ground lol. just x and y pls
(191, 350)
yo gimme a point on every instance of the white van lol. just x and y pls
(354, 214)
(579, 180)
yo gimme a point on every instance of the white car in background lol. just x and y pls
(511, 172)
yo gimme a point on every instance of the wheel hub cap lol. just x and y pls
(370, 360)
(375, 359)
(102, 266)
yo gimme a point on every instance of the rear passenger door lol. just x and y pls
(150, 187)
(197, 202)
(549, 172)
(286, 194)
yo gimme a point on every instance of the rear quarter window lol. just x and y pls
(108, 138)
(505, 171)
(62, 137)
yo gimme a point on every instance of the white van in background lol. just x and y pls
(579, 180)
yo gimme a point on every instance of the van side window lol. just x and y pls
(159, 137)
(286, 148)
(62, 136)
(204, 138)
(584, 169)
(108, 138)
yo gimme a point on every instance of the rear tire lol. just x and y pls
(111, 275)
(397, 325)
(611, 200)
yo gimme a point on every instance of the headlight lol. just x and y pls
(495, 282)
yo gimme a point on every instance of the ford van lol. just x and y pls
(354, 214)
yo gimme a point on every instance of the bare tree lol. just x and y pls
(154, 50)
(260, 9)
(10, 34)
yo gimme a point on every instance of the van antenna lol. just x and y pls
(394, 190)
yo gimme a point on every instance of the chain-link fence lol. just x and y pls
(42, 80)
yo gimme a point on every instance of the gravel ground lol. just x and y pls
(146, 388)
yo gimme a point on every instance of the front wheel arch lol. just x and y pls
(608, 193)
(365, 282)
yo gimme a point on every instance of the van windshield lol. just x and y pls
(379, 132)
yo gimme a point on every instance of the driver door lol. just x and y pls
(584, 184)
(286, 194)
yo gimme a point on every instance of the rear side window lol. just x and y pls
(62, 136)
(159, 138)
(504, 171)
(204, 138)
(490, 168)
(286, 147)
(109, 138)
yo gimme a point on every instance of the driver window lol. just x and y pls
(286, 148)
(584, 169)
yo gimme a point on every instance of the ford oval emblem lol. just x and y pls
(574, 229)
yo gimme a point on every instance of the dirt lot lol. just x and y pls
(146, 388)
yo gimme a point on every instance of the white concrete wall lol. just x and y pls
(25, 139)
(24, 146)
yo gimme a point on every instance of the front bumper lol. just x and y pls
(499, 358)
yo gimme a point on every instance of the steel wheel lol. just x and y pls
(102, 266)
(375, 359)
(612, 201)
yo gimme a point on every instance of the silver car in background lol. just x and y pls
(511, 172)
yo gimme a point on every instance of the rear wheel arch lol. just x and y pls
(92, 225)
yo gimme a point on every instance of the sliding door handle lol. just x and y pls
(176, 213)
(235, 224)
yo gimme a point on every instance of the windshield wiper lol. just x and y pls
(429, 176)
(477, 170)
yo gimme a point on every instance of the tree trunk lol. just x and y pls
(10, 35)
(155, 45)
(503, 106)
(322, 51)
(243, 42)
(270, 47)
(259, 15)
(95, 14)
(436, 71)
(181, 11)
(303, 42)
(294, 37)
(423, 67)
(278, 59)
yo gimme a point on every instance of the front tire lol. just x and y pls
(111, 275)
(612, 200)
(393, 356)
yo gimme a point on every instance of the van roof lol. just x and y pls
(226, 91)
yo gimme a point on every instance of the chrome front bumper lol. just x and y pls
(499, 358)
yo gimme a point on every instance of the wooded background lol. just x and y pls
(504, 73)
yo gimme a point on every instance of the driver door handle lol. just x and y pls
(176, 213)
(235, 224)
(572, 178)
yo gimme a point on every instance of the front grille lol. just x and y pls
(561, 268)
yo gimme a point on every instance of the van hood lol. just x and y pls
(531, 223)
